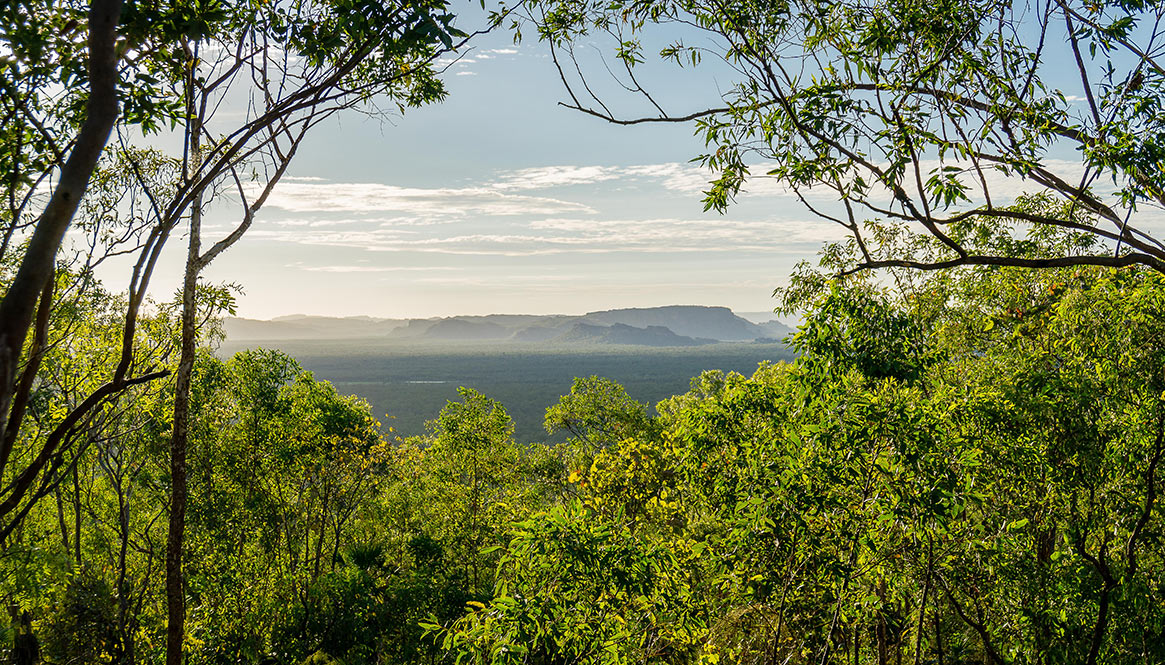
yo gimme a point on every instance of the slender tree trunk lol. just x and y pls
(175, 586)
(77, 517)
(938, 638)
(61, 522)
(883, 656)
(125, 632)
(921, 626)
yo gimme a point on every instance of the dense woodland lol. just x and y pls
(962, 464)
(963, 469)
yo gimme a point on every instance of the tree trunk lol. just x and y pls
(938, 639)
(77, 519)
(175, 587)
(125, 652)
(19, 303)
(883, 656)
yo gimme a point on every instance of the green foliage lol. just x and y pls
(83, 627)
(860, 331)
(575, 588)
(478, 481)
(924, 112)
(598, 413)
(634, 481)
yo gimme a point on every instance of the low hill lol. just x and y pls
(465, 329)
(536, 334)
(685, 320)
(628, 335)
(776, 328)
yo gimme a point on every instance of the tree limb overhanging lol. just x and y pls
(924, 113)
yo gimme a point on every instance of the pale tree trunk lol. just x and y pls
(196, 262)
(36, 268)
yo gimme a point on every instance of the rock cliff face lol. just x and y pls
(676, 325)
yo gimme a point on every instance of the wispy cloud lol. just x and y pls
(371, 269)
(300, 197)
(546, 177)
(581, 236)
(554, 210)
(716, 233)
(688, 178)
(674, 176)
(459, 63)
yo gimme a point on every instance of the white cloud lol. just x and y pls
(688, 178)
(370, 269)
(545, 177)
(712, 234)
(320, 223)
(417, 202)
(673, 176)
(526, 281)
(581, 236)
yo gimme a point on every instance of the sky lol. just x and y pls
(499, 200)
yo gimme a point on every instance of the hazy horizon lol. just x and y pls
(754, 316)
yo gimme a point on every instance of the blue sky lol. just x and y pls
(500, 200)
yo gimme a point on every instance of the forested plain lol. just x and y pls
(407, 384)
(961, 464)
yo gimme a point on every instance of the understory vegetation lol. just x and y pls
(960, 466)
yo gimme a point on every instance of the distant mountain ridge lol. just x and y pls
(673, 325)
